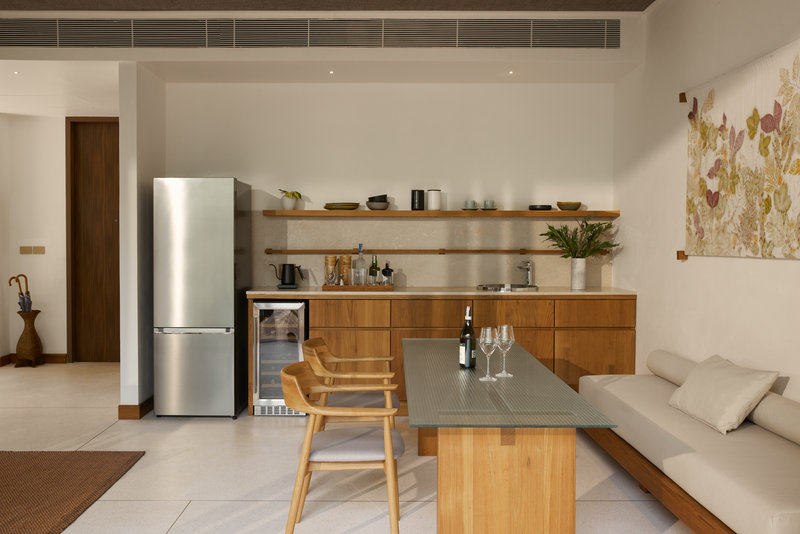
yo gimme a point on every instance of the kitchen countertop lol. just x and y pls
(548, 291)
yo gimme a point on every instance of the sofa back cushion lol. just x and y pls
(721, 394)
(778, 415)
(670, 366)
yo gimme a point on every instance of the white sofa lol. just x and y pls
(747, 480)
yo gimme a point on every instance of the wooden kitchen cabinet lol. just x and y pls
(595, 313)
(595, 351)
(572, 335)
(517, 312)
(352, 313)
(594, 336)
(398, 334)
(421, 313)
(537, 341)
(356, 342)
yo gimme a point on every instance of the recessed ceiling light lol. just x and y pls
(330, 72)
(511, 73)
(16, 72)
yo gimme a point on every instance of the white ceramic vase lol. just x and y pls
(288, 203)
(577, 273)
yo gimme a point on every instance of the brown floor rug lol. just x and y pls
(45, 491)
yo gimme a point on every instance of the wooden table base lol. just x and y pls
(506, 480)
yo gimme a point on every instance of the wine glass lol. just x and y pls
(505, 340)
(488, 342)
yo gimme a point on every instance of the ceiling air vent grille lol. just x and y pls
(95, 33)
(252, 33)
(169, 33)
(486, 33)
(264, 33)
(420, 33)
(29, 32)
(346, 32)
(573, 33)
(219, 33)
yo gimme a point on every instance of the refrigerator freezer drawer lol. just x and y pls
(194, 374)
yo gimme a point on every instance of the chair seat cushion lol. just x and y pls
(353, 444)
(361, 399)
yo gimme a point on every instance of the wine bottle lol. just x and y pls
(373, 271)
(359, 270)
(466, 343)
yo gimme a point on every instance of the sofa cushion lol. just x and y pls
(750, 478)
(670, 366)
(720, 393)
(779, 415)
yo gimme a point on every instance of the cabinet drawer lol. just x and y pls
(537, 341)
(438, 313)
(371, 313)
(581, 352)
(596, 313)
(522, 313)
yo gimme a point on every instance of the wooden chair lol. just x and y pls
(341, 448)
(325, 365)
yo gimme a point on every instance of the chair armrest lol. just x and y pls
(358, 374)
(348, 359)
(342, 411)
(344, 388)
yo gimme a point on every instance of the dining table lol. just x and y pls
(506, 449)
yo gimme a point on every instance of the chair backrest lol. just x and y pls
(312, 348)
(297, 379)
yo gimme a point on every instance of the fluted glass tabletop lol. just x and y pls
(442, 394)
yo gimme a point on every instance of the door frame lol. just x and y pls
(70, 198)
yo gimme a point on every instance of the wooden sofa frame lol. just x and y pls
(652, 480)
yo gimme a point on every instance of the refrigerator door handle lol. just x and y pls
(193, 330)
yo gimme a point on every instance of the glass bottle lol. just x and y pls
(373, 272)
(358, 273)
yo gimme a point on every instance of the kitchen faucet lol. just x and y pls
(528, 267)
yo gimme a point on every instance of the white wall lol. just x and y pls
(743, 309)
(34, 213)
(518, 144)
(142, 156)
(5, 250)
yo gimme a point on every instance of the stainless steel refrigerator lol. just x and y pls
(201, 272)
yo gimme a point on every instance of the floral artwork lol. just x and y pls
(743, 179)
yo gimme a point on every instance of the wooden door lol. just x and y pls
(93, 239)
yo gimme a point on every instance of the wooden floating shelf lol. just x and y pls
(444, 214)
(441, 251)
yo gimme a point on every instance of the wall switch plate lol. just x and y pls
(38, 250)
(26, 250)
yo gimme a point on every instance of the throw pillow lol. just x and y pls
(720, 393)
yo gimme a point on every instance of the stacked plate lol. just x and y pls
(341, 205)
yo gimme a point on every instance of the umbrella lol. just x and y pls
(21, 296)
(27, 304)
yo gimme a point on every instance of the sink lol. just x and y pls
(505, 288)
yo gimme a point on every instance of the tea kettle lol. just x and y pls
(287, 275)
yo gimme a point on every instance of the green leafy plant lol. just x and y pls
(586, 239)
(291, 194)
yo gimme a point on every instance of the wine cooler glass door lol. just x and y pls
(279, 331)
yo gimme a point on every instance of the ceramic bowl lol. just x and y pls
(568, 206)
(377, 205)
(378, 198)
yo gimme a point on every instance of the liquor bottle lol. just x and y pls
(387, 275)
(373, 271)
(466, 343)
(359, 270)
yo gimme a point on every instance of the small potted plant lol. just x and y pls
(289, 199)
(586, 239)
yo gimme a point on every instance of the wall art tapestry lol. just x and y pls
(743, 180)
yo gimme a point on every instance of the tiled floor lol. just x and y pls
(215, 475)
